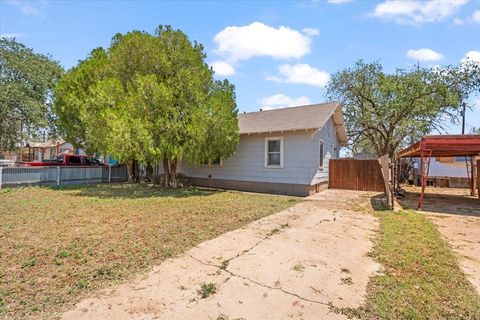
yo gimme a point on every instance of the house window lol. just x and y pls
(274, 152)
(217, 162)
(321, 156)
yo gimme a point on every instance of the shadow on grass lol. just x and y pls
(443, 203)
(135, 191)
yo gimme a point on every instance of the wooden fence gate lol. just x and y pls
(353, 174)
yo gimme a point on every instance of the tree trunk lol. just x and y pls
(173, 174)
(149, 172)
(133, 172)
(166, 173)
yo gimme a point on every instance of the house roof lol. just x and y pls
(444, 146)
(292, 119)
(45, 144)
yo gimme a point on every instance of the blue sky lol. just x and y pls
(277, 53)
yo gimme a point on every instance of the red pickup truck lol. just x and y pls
(67, 160)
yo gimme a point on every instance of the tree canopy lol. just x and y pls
(26, 82)
(384, 112)
(150, 99)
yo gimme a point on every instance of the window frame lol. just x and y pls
(214, 165)
(273, 166)
(211, 164)
(321, 150)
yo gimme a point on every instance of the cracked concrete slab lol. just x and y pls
(291, 264)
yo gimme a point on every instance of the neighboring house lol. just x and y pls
(283, 151)
(47, 150)
(365, 156)
(444, 172)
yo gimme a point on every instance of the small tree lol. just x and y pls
(149, 99)
(26, 82)
(384, 112)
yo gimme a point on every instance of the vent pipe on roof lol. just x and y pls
(261, 109)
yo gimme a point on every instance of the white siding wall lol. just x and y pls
(457, 169)
(300, 160)
(331, 150)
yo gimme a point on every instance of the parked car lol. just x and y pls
(67, 160)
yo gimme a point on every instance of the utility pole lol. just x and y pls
(463, 117)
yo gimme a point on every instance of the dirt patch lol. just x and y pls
(291, 264)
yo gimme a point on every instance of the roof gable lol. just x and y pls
(293, 118)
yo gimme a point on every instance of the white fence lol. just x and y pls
(57, 176)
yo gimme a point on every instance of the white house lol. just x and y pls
(48, 150)
(283, 151)
(444, 172)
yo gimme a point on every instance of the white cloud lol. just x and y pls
(282, 101)
(223, 68)
(476, 16)
(311, 32)
(472, 56)
(424, 55)
(258, 39)
(27, 8)
(338, 1)
(458, 22)
(301, 73)
(415, 11)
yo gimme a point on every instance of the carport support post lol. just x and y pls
(109, 173)
(472, 178)
(424, 169)
(478, 178)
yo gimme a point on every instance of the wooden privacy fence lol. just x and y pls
(353, 174)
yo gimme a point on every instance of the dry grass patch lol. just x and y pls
(57, 246)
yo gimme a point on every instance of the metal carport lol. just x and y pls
(467, 145)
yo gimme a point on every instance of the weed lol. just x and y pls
(298, 267)
(81, 284)
(272, 232)
(345, 270)
(224, 264)
(29, 263)
(348, 281)
(207, 289)
(63, 254)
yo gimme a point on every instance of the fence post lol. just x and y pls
(109, 173)
(58, 175)
(1, 176)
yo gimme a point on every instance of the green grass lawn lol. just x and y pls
(57, 246)
(420, 276)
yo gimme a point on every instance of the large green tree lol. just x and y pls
(26, 82)
(385, 112)
(149, 99)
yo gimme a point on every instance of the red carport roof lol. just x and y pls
(445, 146)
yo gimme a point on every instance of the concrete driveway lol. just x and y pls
(289, 265)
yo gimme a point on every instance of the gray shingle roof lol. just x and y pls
(294, 118)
